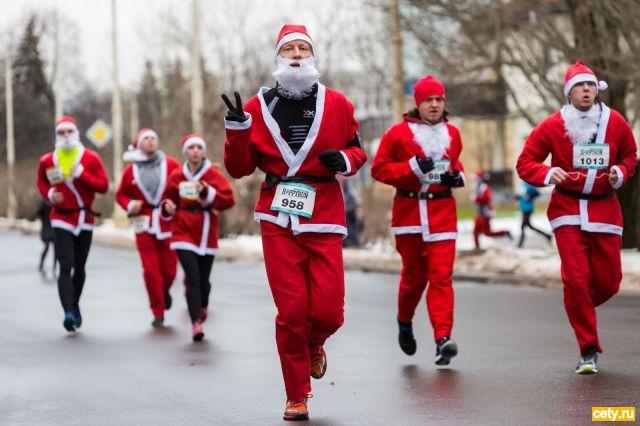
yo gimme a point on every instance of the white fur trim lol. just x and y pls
(211, 195)
(146, 134)
(579, 78)
(403, 230)
(67, 126)
(348, 162)
(194, 140)
(547, 178)
(183, 245)
(413, 163)
(440, 236)
(78, 171)
(50, 194)
(620, 180)
(294, 36)
(130, 206)
(236, 125)
(185, 169)
(564, 221)
(294, 161)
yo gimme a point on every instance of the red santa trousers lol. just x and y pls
(306, 277)
(427, 263)
(591, 272)
(482, 226)
(159, 267)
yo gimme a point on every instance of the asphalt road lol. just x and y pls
(517, 354)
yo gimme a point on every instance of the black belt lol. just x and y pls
(272, 179)
(424, 195)
(196, 208)
(582, 196)
(72, 211)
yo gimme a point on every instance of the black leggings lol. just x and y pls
(71, 253)
(526, 223)
(197, 269)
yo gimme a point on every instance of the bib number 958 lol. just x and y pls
(294, 198)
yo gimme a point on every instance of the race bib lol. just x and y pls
(591, 156)
(188, 190)
(140, 223)
(294, 198)
(435, 175)
(55, 175)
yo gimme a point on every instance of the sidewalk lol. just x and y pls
(501, 261)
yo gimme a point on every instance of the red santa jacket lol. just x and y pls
(550, 137)
(131, 189)
(258, 143)
(395, 164)
(196, 224)
(482, 198)
(74, 213)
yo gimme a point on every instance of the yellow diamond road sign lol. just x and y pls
(99, 133)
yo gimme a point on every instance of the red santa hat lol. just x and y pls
(193, 139)
(143, 134)
(291, 32)
(579, 73)
(66, 123)
(428, 86)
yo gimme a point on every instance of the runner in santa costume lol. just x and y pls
(140, 192)
(300, 134)
(483, 198)
(593, 152)
(196, 194)
(69, 178)
(420, 157)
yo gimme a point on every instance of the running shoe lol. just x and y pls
(198, 334)
(69, 322)
(318, 361)
(406, 339)
(297, 410)
(157, 322)
(445, 350)
(588, 362)
(203, 315)
(77, 317)
(168, 301)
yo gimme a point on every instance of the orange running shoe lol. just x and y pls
(318, 361)
(297, 410)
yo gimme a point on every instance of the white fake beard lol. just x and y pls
(581, 125)
(434, 140)
(295, 82)
(68, 143)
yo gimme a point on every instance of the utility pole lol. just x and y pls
(116, 111)
(134, 122)
(57, 89)
(12, 204)
(197, 95)
(398, 71)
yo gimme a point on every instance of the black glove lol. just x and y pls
(452, 179)
(235, 113)
(425, 164)
(334, 161)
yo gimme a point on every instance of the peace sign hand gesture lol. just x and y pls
(235, 113)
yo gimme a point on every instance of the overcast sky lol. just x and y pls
(136, 21)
